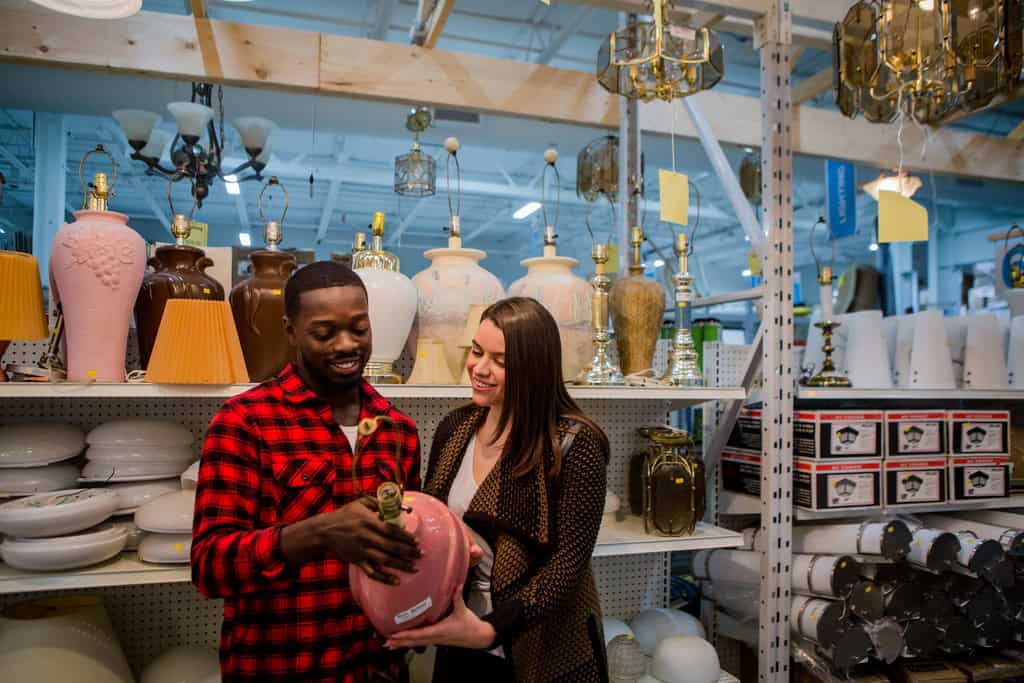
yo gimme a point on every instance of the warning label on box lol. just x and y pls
(850, 490)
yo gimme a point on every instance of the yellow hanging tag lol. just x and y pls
(198, 234)
(754, 263)
(901, 219)
(674, 192)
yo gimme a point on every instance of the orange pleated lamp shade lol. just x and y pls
(197, 343)
(22, 316)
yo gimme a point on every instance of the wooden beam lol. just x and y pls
(166, 46)
(200, 9)
(803, 11)
(812, 86)
(1017, 133)
(436, 21)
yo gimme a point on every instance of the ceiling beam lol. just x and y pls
(325, 218)
(200, 9)
(803, 11)
(812, 86)
(485, 226)
(14, 160)
(162, 45)
(385, 10)
(242, 209)
(427, 29)
(396, 236)
(558, 40)
(154, 208)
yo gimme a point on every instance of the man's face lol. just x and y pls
(333, 336)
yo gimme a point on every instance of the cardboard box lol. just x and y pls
(973, 432)
(915, 433)
(741, 472)
(928, 672)
(989, 667)
(915, 481)
(978, 477)
(746, 433)
(865, 673)
(838, 434)
(837, 484)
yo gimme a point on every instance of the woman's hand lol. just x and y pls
(461, 628)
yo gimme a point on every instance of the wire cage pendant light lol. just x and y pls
(659, 59)
(927, 58)
(416, 172)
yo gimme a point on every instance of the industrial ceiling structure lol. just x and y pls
(348, 146)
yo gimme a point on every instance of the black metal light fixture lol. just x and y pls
(189, 159)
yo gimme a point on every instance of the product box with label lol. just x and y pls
(837, 434)
(837, 484)
(974, 477)
(928, 672)
(746, 433)
(741, 472)
(915, 433)
(914, 481)
(973, 432)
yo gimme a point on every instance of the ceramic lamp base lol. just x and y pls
(378, 372)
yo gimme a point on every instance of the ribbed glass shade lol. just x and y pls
(22, 316)
(137, 124)
(197, 343)
(94, 9)
(255, 131)
(191, 117)
(415, 174)
(158, 141)
(597, 169)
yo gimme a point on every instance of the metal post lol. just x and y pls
(629, 168)
(51, 151)
(774, 38)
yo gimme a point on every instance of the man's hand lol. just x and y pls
(353, 534)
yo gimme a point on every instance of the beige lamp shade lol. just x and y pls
(431, 366)
(197, 343)
(22, 316)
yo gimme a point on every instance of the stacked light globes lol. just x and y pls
(660, 646)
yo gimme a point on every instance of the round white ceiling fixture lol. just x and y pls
(93, 9)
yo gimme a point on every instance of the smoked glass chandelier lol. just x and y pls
(597, 170)
(416, 172)
(925, 57)
(658, 59)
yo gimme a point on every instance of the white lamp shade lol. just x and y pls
(138, 124)
(191, 117)
(94, 9)
(157, 144)
(984, 354)
(1016, 356)
(905, 184)
(866, 353)
(255, 131)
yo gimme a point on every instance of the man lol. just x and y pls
(281, 508)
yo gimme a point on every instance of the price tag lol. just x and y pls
(198, 234)
(674, 193)
(901, 219)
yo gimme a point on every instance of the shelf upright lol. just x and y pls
(773, 37)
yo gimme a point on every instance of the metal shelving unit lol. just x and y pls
(810, 394)
(730, 503)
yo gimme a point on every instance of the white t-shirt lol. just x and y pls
(464, 487)
(351, 433)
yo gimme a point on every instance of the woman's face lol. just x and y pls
(486, 365)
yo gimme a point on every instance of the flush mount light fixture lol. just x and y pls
(93, 9)
(190, 159)
(905, 184)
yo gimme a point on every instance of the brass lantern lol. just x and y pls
(672, 481)
(597, 169)
(750, 175)
(658, 59)
(416, 172)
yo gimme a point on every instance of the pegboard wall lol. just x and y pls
(152, 618)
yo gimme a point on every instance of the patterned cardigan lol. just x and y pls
(547, 614)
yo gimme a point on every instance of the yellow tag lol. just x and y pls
(674, 191)
(889, 529)
(206, 290)
(842, 565)
(422, 354)
(613, 258)
(178, 547)
(754, 263)
(680, 480)
(198, 234)
(91, 374)
(275, 292)
(867, 589)
(901, 219)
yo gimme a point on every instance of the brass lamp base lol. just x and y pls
(832, 379)
(829, 376)
(381, 373)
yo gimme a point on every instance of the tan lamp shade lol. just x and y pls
(197, 343)
(22, 316)
(431, 366)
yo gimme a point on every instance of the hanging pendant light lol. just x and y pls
(903, 183)
(659, 59)
(597, 169)
(93, 9)
(416, 172)
(750, 175)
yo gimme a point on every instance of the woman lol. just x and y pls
(525, 469)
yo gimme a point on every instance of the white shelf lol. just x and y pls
(833, 394)
(730, 503)
(124, 570)
(628, 538)
(679, 397)
(742, 295)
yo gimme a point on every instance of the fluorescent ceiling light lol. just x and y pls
(526, 210)
(906, 185)
(873, 246)
(659, 263)
(232, 187)
(244, 239)
(231, 178)
(746, 272)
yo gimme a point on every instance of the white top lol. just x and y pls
(463, 490)
(351, 433)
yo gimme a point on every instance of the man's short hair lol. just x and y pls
(318, 275)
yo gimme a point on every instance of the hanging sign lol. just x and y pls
(198, 234)
(901, 219)
(674, 194)
(841, 197)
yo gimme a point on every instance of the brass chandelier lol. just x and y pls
(416, 172)
(926, 58)
(658, 59)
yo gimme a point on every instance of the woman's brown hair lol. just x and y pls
(535, 393)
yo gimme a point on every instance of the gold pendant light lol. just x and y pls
(659, 59)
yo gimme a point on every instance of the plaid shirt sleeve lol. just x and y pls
(230, 556)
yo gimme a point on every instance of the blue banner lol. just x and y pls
(841, 197)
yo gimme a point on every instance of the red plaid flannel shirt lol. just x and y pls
(273, 456)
